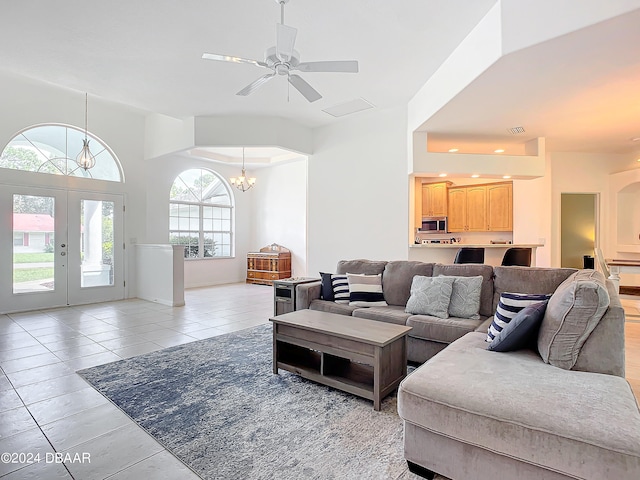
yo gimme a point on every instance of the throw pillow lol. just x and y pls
(465, 297)
(340, 288)
(508, 306)
(365, 290)
(430, 296)
(574, 310)
(326, 289)
(522, 331)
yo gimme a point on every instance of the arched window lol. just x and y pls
(53, 149)
(200, 214)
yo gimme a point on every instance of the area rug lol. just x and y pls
(218, 407)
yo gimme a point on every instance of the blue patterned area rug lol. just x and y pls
(218, 407)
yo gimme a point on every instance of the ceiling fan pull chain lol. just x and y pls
(282, 12)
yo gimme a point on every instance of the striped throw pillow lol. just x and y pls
(340, 288)
(365, 290)
(508, 306)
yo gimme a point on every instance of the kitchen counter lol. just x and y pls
(446, 252)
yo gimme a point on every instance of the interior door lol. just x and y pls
(59, 248)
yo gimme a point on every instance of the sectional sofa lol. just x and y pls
(471, 413)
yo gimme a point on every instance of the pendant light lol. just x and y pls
(85, 158)
(242, 182)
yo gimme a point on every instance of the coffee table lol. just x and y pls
(363, 357)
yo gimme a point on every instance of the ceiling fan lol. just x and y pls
(283, 60)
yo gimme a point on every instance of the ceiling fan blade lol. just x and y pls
(227, 58)
(344, 66)
(252, 87)
(304, 88)
(285, 40)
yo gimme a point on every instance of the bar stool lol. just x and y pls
(470, 255)
(517, 256)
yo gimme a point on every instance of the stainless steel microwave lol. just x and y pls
(433, 225)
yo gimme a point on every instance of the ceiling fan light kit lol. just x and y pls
(282, 59)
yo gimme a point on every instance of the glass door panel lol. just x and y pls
(96, 246)
(33, 248)
(33, 243)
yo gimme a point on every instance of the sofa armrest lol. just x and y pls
(306, 292)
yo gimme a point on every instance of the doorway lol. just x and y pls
(59, 248)
(578, 228)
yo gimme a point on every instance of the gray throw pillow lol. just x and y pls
(574, 310)
(465, 297)
(522, 331)
(430, 296)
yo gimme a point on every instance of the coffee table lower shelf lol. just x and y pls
(365, 370)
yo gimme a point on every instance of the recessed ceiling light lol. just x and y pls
(499, 150)
(475, 175)
(506, 176)
(638, 160)
(453, 150)
(443, 174)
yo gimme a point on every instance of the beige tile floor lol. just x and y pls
(45, 407)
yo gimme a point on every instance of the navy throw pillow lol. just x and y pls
(326, 292)
(522, 331)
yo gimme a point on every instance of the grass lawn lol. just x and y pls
(31, 274)
(40, 257)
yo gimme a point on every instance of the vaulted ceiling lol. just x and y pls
(578, 90)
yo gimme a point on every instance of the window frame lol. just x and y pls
(201, 233)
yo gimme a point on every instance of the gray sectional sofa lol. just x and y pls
(470, 413)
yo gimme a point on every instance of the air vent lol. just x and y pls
(349, 107)
(516, 130)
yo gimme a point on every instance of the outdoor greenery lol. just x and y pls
(32, 257)
(31, 274)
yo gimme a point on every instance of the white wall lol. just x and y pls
(358, 190)
(279, 211)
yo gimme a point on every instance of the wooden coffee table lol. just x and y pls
(363, 357)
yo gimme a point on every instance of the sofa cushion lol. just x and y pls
(365, 290)
(521, 331)
(508, 307)
(465, 297)
(331, 307)
(472, 270)
(390, 314)
(445, 330)
(430, 296)
(340, 288)
(573, 312)
(525, 280)
(397, 278)
(368, 267)
(326, 293)
(580, 424)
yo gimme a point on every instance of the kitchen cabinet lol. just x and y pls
(500, 207)
(434, 199)
(481, 208)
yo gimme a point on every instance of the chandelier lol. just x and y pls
(85, 158)
(242, 182)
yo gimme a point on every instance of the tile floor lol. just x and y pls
(45, 408)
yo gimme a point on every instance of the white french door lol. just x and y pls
(59, 248)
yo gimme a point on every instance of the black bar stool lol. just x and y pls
(517, 256)
(470, 255)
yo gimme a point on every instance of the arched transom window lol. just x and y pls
(200, 214)
(53, 148)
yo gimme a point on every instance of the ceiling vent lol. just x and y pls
(515, 130)
(349, 107)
